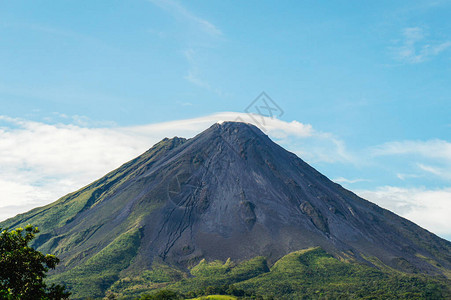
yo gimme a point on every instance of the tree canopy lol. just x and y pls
(23, 269)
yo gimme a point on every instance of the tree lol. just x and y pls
(23, 269)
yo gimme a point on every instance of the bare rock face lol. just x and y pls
(229, 192)
(315, 216)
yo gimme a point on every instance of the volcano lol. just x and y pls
(229, 192)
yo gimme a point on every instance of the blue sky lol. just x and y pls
(370, 83)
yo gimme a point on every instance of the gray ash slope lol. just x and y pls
(228, 192)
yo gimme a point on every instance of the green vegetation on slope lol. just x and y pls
(99, 272)
(304, 274)
(159, 277)
(314, 273)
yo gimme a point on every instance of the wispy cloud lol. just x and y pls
(345, 180)
(404, 176)
(428, 208)
(427, 157)
(193, 71)
(415, 47)
(436, 148)
(182, 13)
(194, 75)
(203, 35)
(437, 171)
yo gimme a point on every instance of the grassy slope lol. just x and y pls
(310, 273)
(316, 274)
(102, 270)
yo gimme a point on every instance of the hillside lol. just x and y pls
(304, 274)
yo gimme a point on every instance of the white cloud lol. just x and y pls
(41, 162)
(321, 148)
(429, 157)
(415, 48)
(345, 180)
(438, 149)
(437, 171)
(193, 72)
(404, 176)
(431, 209)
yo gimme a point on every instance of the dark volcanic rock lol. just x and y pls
(228, 192)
